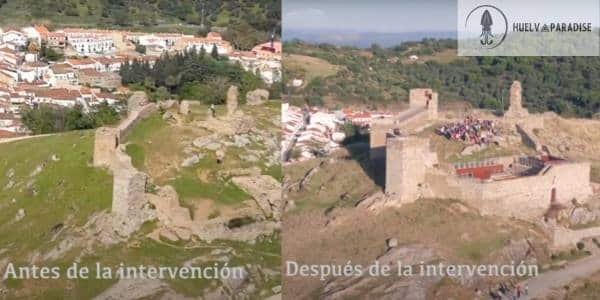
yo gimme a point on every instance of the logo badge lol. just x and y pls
(492, 24)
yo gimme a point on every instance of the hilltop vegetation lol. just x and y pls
(191, 76)
(246, 22)
(378, 76)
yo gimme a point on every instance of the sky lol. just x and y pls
(385, 16)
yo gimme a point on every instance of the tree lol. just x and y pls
(140, 48)
(214, 53)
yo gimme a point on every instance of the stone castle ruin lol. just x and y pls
(517, 186)
(132, 205)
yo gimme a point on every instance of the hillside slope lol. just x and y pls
(245, 22)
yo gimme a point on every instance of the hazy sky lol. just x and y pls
(371, 16)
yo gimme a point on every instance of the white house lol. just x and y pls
(30, 72)
(14, 37)
(61, 75)
(92, 44)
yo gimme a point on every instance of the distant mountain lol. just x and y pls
(361, 39)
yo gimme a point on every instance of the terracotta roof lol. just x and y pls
(8, 50)
(91, 72)
(42, 29)
(109, 60)
(80, 61)
(4, 134)
(58, 94)
(61, 68)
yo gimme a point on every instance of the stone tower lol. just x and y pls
(106, 142)
(424, 98)
(232, 100)
(407, 160)
(515, 109)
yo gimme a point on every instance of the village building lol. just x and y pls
(10, 56)
(14, 37)
(84, 63)
(207, 43)
(61, 75)
(57, 96)
(30, 72)
(91, 44)
(56, 39)
(93, 78)
(109, 64)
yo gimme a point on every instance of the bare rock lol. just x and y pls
(167, 116)
(392, 243)
(130, 289)
(190, 161)
(20, 215)
(266, 190)
(257, 97)
(184, 107)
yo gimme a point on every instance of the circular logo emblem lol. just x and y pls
(489, 24)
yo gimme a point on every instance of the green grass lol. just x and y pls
(189, 188)
(66, 191)
(136, 152)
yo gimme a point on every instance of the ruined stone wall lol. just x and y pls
(133, 118)
(529, 137)
(129, 184)
(105, 143)
(407, 160)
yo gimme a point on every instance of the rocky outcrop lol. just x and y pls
(242, 225)
(257, 97)
(184, 107)
(134, 289)
(395, 287)
(265, 190)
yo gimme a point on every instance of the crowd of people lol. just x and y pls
(470, 130)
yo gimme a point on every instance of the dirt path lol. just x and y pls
(542, 285)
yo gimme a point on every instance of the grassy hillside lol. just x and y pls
(52, 181)
(247, 22)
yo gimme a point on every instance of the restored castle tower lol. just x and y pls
(407, 158)
(423, 108)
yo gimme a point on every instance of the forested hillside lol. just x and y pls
(245, 22)
(566, 85)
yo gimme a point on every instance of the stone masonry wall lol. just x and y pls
(407, 160)
(528, 197)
